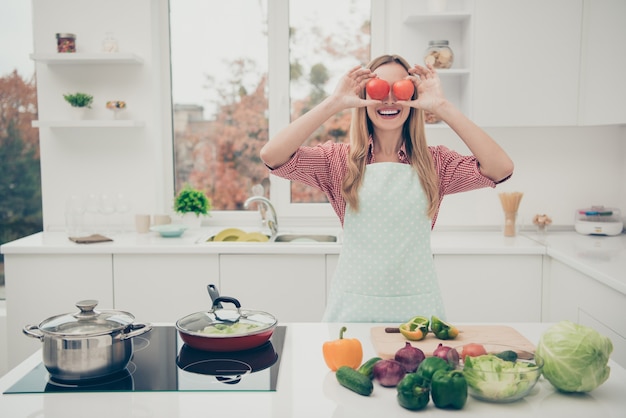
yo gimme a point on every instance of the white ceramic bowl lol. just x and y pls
(169, 230)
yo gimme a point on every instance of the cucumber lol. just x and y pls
(355, 381)
(367, 368)
(508, 355)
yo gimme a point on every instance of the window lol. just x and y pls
(231, 76)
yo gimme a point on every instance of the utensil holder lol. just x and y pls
(510, 224)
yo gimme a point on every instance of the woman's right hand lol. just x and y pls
(350, 86)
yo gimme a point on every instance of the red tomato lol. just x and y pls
(403, 89)
(377, 89)
(473, 350)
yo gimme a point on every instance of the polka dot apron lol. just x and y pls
(386, 271)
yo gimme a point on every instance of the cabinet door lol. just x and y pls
(164, 287)
(567, 297)
(491, 288)
(526, 62)
(602, 87)
(290, 287)
(44, 285)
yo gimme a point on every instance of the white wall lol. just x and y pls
(131, 161)
(558, 169)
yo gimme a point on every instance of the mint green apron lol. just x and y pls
(386, 271)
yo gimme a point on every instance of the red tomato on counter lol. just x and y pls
(377, 89)
(473, 350)
(403, 89)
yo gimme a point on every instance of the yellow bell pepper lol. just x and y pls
(343, 352)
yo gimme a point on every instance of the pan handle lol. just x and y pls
(136, 330)
(33, 332)
(214, 293)
(226, 299)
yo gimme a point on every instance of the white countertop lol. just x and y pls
(192, 241)
(602, 258)
(306, 388)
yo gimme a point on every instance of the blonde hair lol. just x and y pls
(419, 156)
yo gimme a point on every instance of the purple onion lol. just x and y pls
(410, 357)
(388, 372)
(442, 351)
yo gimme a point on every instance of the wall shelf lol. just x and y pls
(437, 17)
(87, 58)
(87, 124)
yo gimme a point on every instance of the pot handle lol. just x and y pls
(136, 330)
(33, 332)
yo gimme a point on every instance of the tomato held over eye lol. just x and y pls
(377, 89)
(403, 89)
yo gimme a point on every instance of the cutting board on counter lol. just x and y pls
(386, 344)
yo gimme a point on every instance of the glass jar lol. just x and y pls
(439, 54)
(66, 42)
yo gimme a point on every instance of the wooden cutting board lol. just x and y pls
(386, 344)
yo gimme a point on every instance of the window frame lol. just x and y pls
(279, 113)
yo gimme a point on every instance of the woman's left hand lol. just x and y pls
(429, 92)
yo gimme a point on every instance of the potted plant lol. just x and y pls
(79, 99)
(191, 202)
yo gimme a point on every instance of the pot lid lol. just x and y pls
(87, 321)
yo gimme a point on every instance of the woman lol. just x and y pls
(386, 187)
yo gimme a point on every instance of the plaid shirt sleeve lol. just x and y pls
(323, 167)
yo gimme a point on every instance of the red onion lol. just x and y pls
(410, 357)
(442, 351)
(388, 372)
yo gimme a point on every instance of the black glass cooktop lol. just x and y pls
(162, 362)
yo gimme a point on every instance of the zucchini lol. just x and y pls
(355, 381)
(367, 368)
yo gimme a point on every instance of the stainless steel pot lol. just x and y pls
(87, 344)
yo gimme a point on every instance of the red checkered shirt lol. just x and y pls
(324, 166)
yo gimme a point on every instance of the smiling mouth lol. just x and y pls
(388, 112)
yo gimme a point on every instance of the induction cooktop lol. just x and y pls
(162, 362)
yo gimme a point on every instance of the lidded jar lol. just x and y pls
(66, 42)
(439, 54)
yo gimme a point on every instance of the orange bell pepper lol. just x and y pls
(343, 352)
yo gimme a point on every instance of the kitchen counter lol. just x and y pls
(601, 257)
(306, 388)
(191, 242)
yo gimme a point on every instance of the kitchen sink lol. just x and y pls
(237, 235)
(305, 238)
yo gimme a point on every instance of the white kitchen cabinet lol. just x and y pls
(574, 296)
(491, 287)
(602, 89)
(290, 287)
(163, 287)
(39, 286)
(527, 62)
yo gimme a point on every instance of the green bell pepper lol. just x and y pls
(443, 330)
(413, 392)
(430, 365)
(449, 389)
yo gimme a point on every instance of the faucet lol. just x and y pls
(271, 223)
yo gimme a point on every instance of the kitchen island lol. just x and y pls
(306, 388)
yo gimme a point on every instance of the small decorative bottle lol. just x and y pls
(109, 44)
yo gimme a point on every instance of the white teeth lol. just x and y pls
(389, 112)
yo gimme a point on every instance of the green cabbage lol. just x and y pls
(575, 357)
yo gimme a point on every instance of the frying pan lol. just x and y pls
(221, 329)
